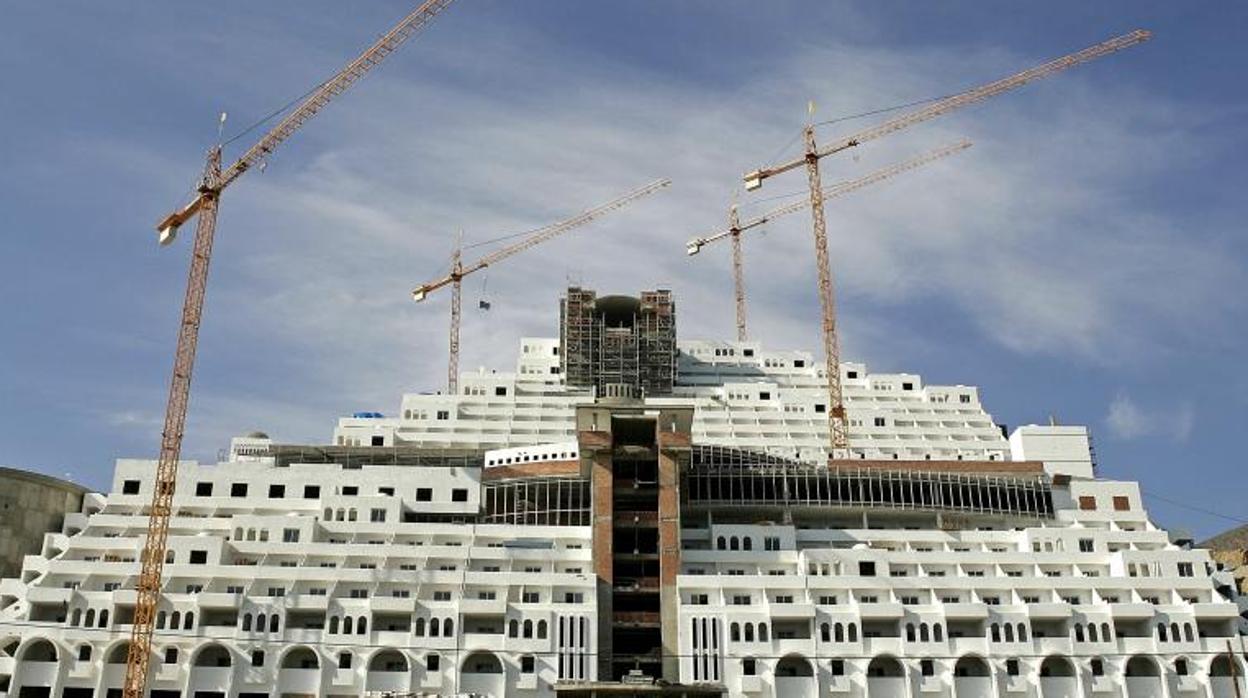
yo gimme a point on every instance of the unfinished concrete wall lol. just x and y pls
(30, 506)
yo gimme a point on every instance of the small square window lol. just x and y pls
(199, 557)
(928, 667)
(257, 657)
(851, 374)
(1122, 503)
(424, 494)
(799, 363)
(203, 489)
(838, 667)
(130, 487)
(311, 491)
(377, 441)
(879, 421)
(526, 664)
(459, 494)
(500, 390)
(748, 666)
(907, 385)
(431, 662)
(84, 653)
(344, 660)
(764, 395)
(277, 491)
(821, 408)
(238, 489)
(1087, 503)
(1011, 667)
(171, 655)
(443, 415)
(866, 568)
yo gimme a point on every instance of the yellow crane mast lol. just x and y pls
(458, 271)
(837, 423)
(205, 205)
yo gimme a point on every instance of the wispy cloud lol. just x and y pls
(1126, 419)
(1032, 235)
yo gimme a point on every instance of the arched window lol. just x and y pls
(838, 633)
(528, 628)
(825, 632)
(1174, 632)
(261, 619)
(541, 630)
(1022, 632)
(175, 620)
(329, 514)
(747, 543)
(938, 633)
(104, 618)
(513, 628)
(853, 632)
(273, 623)
(1009, 632)
(160, 621)
(762, 632)
(448, 628)
(1161, 632)
(77, 617)
(910, 637)
(190, 620)
(1078, 633)
(247, 622)
(90, 618)
(1092, 632)
(435, 627)
(361, 626)
(342, 515)
(1106, 634)
(734, 632)
(996, 632)
(923, 636)
(420, 627)
(734, 544)
(333, 625)
(348, 625)
(721, 543)
(1187, 632)
(749, 632)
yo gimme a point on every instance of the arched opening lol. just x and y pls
(1056, 665)
(118, 654)
(749, 632)
(733, 543)
(482, 663)
(513, 628)
(90, 618)
(420, 627)
(541, 630)
(388, 661)
(1139, 666)
(448, 628)
(528, 629)
(348, 625)
(1143, 677)
(1220, 666)
(794, 666)
(301, 658)
(734, 632)
(971, 666)
(885, 667)
(214, 656)
(39, 651)
(435, 627)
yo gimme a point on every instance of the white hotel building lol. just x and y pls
(534, 535)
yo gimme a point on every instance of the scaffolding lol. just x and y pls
(620, 346)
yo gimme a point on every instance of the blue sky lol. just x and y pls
(1085, 259)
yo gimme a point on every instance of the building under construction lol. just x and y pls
(620, 346)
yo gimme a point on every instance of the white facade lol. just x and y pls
(745, 396)
(318, 578)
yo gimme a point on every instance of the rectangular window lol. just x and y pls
(1087, 503)
(764, 395)
(130, 487)
(1185, 569)
(907, 386)
(277, 491)
(377, 516)
(838, 667)
(500, 390)
(741, 600)
(311, 491)
(386, 491)
(424, 494)
(1086, 545)
(530, 597)
(277, 591)
(203, 489)
(171, 655)
(441, 596)
(866, 568)
(1098, 667)
(928, 667)
(84, 653)
(459, 494)
(444, 415)
(238, 489)
(290, 535)
(1011, 667)
(748, 666)
(199, 557)
(1122, 503)
(344, 660)
(526, 664)
(257, 657)
(574, 597)
(377, 441)
(431, 662)
(879, 421)
(350, 491)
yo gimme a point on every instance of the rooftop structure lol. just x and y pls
(543, 539)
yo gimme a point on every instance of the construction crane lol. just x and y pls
(736, 227)
(205, 205)
(838, 424)
(458, 271)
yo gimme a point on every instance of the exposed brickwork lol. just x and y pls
(554, 468)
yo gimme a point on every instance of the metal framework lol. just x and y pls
(784, 485)
(838, 427)
(556, 501)
(618, 345)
